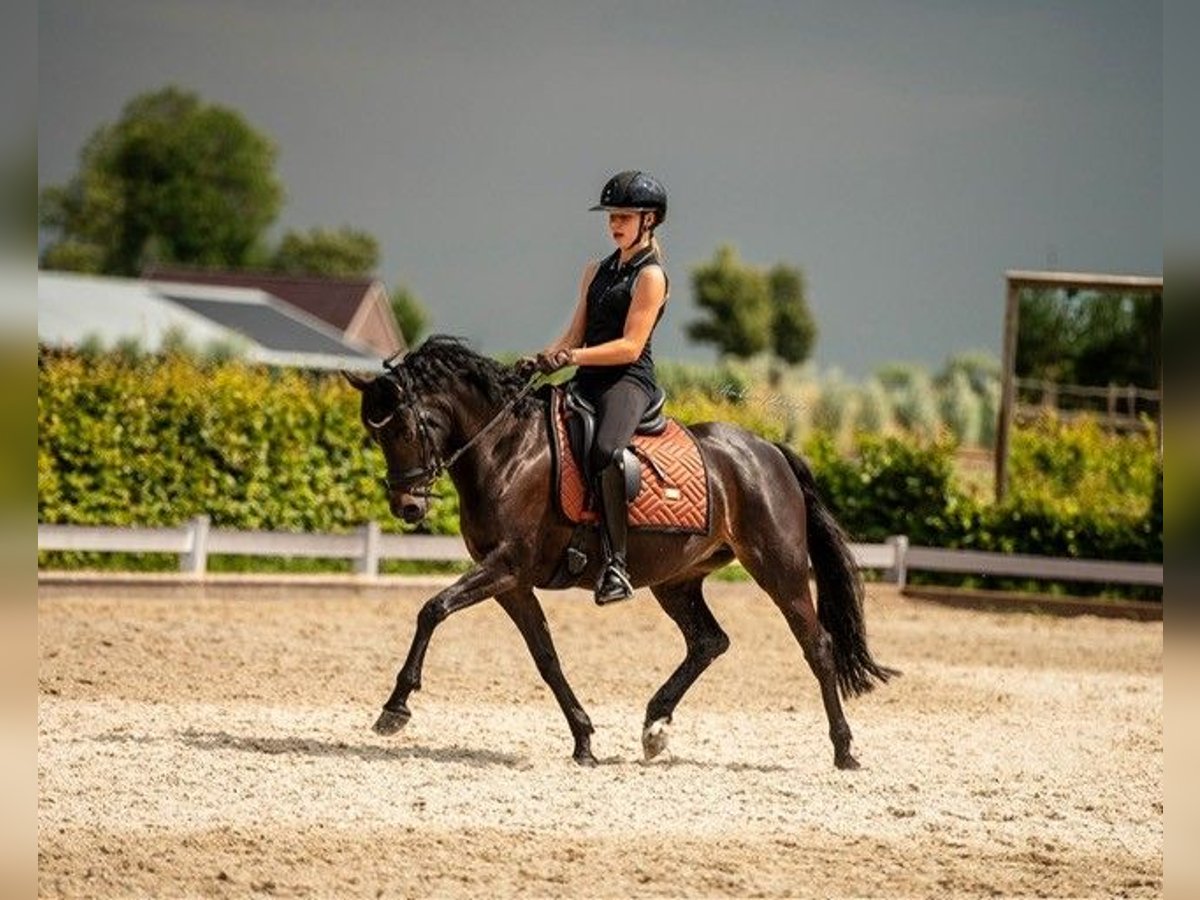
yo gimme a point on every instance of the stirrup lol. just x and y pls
(613, 585)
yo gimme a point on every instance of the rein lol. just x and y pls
(419, 480)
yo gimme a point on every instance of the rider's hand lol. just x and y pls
(555, 360)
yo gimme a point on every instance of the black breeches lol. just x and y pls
(618, 411)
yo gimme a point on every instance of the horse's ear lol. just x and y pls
(360, 383)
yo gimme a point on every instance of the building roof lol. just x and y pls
(333, 300)
(73, 309)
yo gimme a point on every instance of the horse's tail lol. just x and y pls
(839, 590)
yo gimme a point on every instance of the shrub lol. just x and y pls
(1078, 468)
(835, 407)
(874, 408)
(961, 409)
(1084, 494)
(890, 485)
(154, 441)
(913, 398)
(717, 383)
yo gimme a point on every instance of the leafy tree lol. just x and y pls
(174, 180)
(74, 256)
(737, 302)
(793, 330)
(1090, 338)
(345, 252)
(411, 316)
(1044, 337)
(749, 310)
(18, 197)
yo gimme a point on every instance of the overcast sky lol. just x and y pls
(903, 154)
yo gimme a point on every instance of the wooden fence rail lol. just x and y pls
(368, 546)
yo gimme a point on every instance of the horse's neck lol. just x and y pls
(494, 455)
(469, 414)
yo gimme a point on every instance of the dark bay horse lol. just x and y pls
(445, 407)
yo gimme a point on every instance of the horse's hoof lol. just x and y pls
(846, 761)
(654, 738)
(391, 721)
(585, 759)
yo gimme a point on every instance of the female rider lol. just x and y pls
(621, 299)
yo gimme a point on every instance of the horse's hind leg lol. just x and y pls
(786, 581)
(526, 612)
(684, 602)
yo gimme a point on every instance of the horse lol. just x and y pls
(444, 407)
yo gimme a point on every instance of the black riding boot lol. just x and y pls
(614, 581)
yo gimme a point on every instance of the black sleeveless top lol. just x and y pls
(609, 297)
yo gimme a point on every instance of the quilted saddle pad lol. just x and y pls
(674, 494)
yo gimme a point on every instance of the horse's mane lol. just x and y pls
(443, 358)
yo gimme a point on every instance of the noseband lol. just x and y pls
(417, 481)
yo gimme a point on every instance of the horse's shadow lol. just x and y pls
(764, 768)
(375, 753)
(313, 747)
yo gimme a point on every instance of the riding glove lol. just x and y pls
(555, 360)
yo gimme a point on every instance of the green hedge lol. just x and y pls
(1077, 492)
(155, 441)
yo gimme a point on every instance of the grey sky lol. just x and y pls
(903, 154)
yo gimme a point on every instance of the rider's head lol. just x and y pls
(636, 203)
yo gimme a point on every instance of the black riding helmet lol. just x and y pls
(634, 190)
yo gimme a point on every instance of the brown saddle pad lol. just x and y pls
(674, 498)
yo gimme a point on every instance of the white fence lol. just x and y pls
(196, 540)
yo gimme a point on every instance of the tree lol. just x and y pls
(174, 180)
(793, 330)
(18, 198)
(1090, 337)
(410, 315)
(345, 252)
(749, 310)
(737, 301)
(1044, 340)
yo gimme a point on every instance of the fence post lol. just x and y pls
(898, 574)
(195, 562)
(368, 563)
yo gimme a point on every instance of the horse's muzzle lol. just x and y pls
(407, 507)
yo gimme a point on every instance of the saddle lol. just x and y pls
(581, 433)
(666, 480)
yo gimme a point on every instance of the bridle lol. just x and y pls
(418, 480)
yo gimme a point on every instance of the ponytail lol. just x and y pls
(658, 254)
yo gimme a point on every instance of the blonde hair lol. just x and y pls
(658, 252)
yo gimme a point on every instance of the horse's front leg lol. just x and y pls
(492, 576)
(526, 612)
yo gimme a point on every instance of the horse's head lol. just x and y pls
(408, 436)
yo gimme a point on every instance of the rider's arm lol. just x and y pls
(649, 294)
(573, 336)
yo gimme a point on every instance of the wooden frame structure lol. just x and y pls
(1015, 281)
